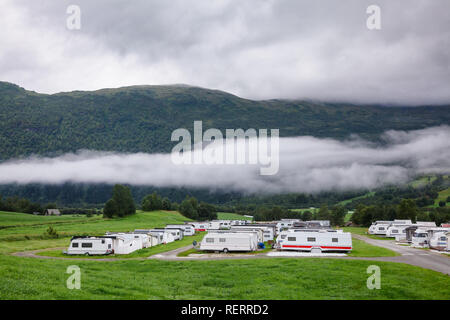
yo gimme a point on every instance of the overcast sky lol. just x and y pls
(256, 49)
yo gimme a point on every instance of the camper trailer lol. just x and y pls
(188, 230)
(153, 238)
(285, 224)
(142, 238)
(164, 236)
(314, 240)
(439, 241)
(379, 227)
(199, 226)
(126, 244)
(90, 246)
(238, 222)
(176, 232)
(229, 241)
(420, 238)
(267, 231)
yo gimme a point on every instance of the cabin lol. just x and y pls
(226, 241)
(52, 212)
(315, 241)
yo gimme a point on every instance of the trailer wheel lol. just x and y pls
(87, 254)
(316, 250)
(225, 250)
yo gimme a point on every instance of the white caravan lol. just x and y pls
(91, 245)
(286, 224)
(176, 232)
(126, 244)
(238, 222)
(199, 226)
(229, 241)
(314, 240)
(139, 237)
(267, 232)
(188, 230)
(420, 238)
(439, 241)
(379, 227)
(153, 238)
(164, 236)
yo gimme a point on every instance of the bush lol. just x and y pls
(51, 233)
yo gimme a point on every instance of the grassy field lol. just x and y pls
(230, 216)
(363, 232)
(345, 202)
(92, 226)
(280, 278)
(442, 196)
(27, 278)
(363, 249)
(15, 219)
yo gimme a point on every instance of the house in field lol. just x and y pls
(52, 212)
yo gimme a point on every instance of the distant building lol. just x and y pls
(52, 212)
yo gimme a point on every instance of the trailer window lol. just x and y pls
(75, 245)
(210, 240)
(109, 246)
(394, 231)
(334, 239)
(312, 239)
(443, 238)
(283, 236)
(292, 239)
(381, 228)
(103, 241)
(86, 245)
(222, 239)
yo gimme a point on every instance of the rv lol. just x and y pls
(379, 227)
(219, 224)
(91, 245)
(229, 241)
(439, 241)
(176, 232)
(188, 230)
(164, 236)
(314, 240)
(238, 222)
(153, 238)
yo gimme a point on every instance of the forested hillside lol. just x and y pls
(142, 118)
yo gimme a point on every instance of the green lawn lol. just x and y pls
(27, 278)
(363, 232)
(10, 219)
(442, 196)
(230, 216)
(363, 249)
(97, 226)
(345, 202)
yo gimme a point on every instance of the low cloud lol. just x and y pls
(307, 164)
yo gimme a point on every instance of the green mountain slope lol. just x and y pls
(142, 118)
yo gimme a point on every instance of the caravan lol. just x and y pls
(314, 240)
(176, 232)
(229, 241)
(267, 231)
(90, 246)
(439, 241)
(199, 226)
(188, 230)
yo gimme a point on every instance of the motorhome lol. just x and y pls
(439, 241)
(379, 227)
(315, 241)
(90, 246)
(188, 230)
(229, 241)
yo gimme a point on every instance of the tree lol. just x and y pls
(337, 215)
(166, 205)
(110, 208)
(152, 202)
(441, 203)
(206, 211)
(323, 214)
(187, 209)
(407, 209)
(307, 215)
(121, 204)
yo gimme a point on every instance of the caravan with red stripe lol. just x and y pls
(314, 240)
